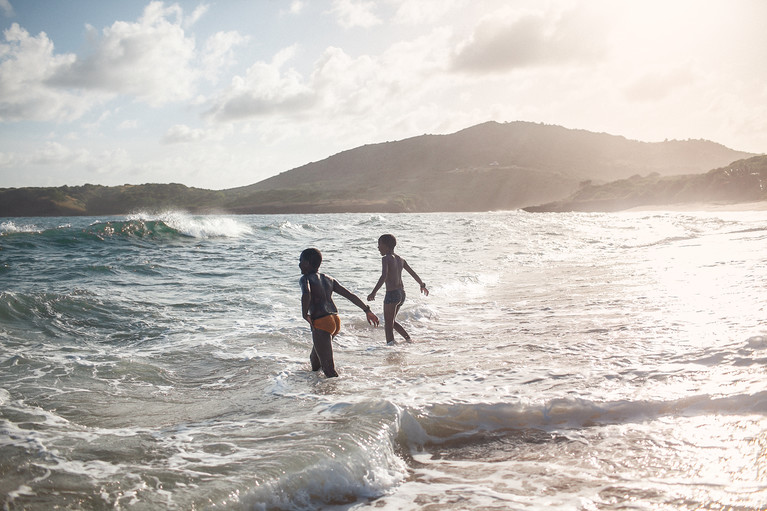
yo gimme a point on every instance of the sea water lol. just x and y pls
(560, 361)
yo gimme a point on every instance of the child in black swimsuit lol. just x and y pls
(391, 275)
(318, 309)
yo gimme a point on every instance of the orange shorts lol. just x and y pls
(330, 323)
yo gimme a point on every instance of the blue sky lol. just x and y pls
(218, 94)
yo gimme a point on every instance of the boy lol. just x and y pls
(391, 274)
(318, 309)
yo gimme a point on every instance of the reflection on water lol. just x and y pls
(571, 361)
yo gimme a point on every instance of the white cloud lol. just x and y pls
(26, 63)
(219, 53)
(7, 8)
(198, 13)
(344, 100)
(296, 7)
(265, 89)
(355, 13)
(151, 59)
(518, 40)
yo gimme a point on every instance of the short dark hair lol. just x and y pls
(389, 240)
(313, 257)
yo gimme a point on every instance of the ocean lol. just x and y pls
(561, 362)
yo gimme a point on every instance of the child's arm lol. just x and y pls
(305, 300)
(384, 270)
(416, 277)
(341, 290)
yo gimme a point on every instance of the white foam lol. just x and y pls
(10, 227)
(209, 226)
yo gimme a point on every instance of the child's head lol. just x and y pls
(312, 257)
(388, 240)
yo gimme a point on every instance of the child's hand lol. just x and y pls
(371, 297)
(424, 290)
(372, 318)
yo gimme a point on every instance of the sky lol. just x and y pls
(224, 93)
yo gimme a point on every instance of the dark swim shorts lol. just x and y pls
(396, 296)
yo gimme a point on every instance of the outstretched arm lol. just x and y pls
(341, 290)
(416, 277)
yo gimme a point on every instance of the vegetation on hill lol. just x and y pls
(486, 167)
(741, 181)
(105, 200)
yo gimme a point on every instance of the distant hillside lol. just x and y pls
(486, 167)
(105, 200)
(741, 181)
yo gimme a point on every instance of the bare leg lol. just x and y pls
(314, 359)
(401, 331)
(390, 312)
(322, 352)
(399, 327)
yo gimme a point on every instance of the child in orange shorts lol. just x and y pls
(318, 309)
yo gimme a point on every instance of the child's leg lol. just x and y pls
(390, 312)
(400, 330)
(314, 359)
(323, 349)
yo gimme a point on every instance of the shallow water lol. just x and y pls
(562, 361)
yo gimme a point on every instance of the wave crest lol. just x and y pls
(444, 423)
(208, 226)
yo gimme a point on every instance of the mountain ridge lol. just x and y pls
(488, 166)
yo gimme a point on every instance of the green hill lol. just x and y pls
(486, 167)
(105, 200)
(741, 181)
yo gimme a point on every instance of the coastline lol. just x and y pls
(704, 206)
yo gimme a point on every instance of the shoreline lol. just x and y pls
(704, 206)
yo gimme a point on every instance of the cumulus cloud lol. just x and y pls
(339, 85)
(26, 63)
(355, 13)
(151, 59)
(266, 88)
(504, 43)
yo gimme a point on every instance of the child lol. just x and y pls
(318, 309)
(391, 274)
